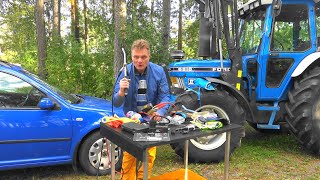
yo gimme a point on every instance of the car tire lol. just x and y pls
(90, 155)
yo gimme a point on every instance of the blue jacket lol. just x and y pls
(157, 89)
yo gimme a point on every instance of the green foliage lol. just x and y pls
(139, 27)
(69, 67)
(19, 40)
(190, 43)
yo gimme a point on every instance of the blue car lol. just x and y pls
(43, 126)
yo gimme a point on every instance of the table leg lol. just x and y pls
(226, 156)
(145, 164)
(113, 164)
(186, 146)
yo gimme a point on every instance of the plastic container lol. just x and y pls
(134, 116)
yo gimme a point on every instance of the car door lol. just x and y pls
(29, 134)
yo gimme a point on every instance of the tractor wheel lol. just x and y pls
(95, 155)
(303, 110)
(211, 148)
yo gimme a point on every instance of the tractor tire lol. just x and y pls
(90, 157)
(190, 100)
(303, 110)
(212, 148)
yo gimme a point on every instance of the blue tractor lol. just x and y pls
(270, 76)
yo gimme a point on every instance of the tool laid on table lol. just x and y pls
(184, 129)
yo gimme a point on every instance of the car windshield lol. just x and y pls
(251, 31)
(71, 98)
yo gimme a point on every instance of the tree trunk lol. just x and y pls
(133, 13)
(166, 8)
(85, 26)
(47, 7)
(113, 10)
(41, 39)
(152, 11)
(180, 26)
(120, 16)
(56, 17)
(75, 19)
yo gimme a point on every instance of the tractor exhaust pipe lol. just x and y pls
(204, 33)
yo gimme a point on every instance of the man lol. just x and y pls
(146, 83)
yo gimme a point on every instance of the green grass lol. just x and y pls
(261, 156)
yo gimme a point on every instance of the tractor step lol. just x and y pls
(274, 109)
(268, 126)
(268, 108)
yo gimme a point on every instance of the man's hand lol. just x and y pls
(124, 84)
(156, 116)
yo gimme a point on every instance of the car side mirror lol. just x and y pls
(46, 103)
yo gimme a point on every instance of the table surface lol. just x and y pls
(124, 139)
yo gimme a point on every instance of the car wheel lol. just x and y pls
(95, 155)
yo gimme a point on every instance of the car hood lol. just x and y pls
(97, 104)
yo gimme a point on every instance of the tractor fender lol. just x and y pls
(305, 63)
(237, 94)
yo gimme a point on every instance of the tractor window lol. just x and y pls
(277, 69)
(317, 8)
(291, 29)
(252, 27)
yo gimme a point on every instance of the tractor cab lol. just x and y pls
(275, 38)
(278, 41)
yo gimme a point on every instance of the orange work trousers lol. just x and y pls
(129, 163)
